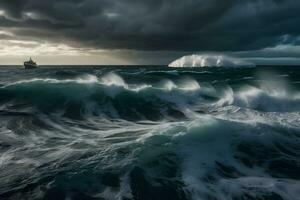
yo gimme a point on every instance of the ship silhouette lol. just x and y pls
(30, 64)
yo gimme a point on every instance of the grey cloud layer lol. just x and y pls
(177, 25)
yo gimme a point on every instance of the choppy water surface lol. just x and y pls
(150, 133)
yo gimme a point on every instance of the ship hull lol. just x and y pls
(30, 66)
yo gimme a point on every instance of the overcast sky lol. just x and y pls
(147, 31)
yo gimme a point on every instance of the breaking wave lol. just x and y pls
(210, 60)
(110, 96)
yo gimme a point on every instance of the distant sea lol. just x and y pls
(150, 133)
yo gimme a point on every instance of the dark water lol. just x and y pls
(150, 133)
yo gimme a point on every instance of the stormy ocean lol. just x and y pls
(150, 133)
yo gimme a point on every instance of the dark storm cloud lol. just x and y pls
(177, 25)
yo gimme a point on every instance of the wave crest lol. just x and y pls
(210, 60)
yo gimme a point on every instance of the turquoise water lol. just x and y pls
(149, 133)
